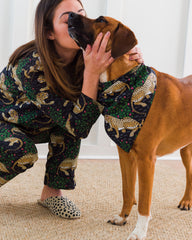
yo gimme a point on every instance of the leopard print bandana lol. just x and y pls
(126, 103)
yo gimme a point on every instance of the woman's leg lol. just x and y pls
(48, 192)
(17, 152)
(60, 168)
(40, 135)
(62, 160)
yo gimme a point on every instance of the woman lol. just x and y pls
(47, 94)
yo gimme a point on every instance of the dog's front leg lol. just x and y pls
(146, 170)
(128, 165)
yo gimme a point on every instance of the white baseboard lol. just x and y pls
(174, 156)
(92, 153)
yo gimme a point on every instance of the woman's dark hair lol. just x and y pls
(65, 81)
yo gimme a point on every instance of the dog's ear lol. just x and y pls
(123, 41)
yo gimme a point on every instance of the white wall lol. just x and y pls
(16, 26)
(160, 27)
(5, 32)
(161, 30)
(188, 48)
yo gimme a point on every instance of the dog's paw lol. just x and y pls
(140, 231)
(117, 220)
(134, 236)
(185, 204)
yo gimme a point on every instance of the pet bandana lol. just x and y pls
(126, 103)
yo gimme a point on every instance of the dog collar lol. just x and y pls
(126, 103)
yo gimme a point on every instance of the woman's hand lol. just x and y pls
(135, 54)
(96, 60)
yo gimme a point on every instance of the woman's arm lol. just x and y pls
(97, 61)
(78, 117)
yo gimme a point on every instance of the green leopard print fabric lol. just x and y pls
(127, 101)
(31, 113)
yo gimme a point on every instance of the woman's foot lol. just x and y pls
(61, 206)
(50, 192)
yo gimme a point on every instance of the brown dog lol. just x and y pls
(168, 125)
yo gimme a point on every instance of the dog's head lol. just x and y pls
(84, 31)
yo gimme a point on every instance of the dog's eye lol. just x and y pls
(101, 19)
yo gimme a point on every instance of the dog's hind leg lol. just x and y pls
(128, 165)
(186, 155)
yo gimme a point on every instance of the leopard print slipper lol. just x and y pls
(61, 206)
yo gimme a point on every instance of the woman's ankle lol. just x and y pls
(50, 192)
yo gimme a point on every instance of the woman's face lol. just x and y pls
(60, 35)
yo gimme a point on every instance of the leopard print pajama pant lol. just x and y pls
(18, 153)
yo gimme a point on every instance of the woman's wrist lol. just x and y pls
(90, 85)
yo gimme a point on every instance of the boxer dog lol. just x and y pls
(158, 121)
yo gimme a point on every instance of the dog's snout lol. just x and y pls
(70, 18)
(71, 15)
(78, 30)
(74, 20)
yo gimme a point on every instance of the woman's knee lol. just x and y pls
(17, 153)
(24, 162)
